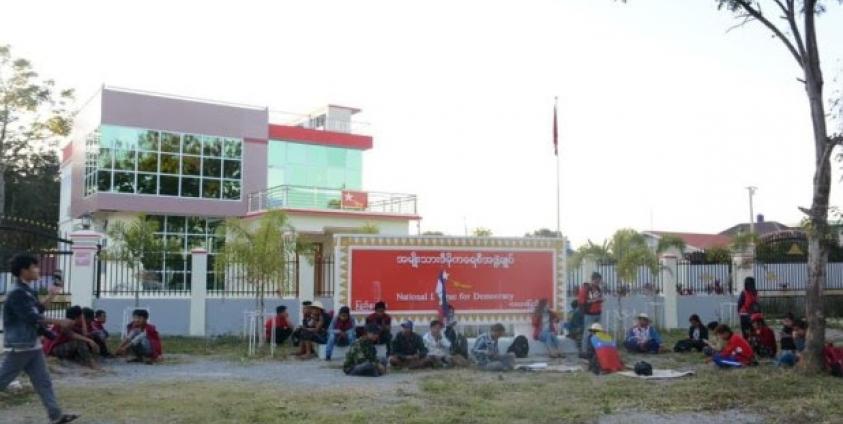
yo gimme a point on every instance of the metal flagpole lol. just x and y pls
(559, 213)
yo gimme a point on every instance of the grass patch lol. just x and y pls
(223, 347)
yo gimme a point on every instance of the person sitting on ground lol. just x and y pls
(736, 353)
(439, 348)
(602, 353)
(643, 337)
(544, 328)
(313, 332)
(384, 322)
(305, 314)
(786, 333)
(575, 322)
(362, 358)
(762, 340)
(697, 336)
(72, 344)
(712, 344)
(280, 323)
(789, 357)
(341, 332)
(408, 350)
(486, 353)
(96, 331)
(142, 342)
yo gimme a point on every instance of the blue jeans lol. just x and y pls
(633, 347)
(788, 358)
(549, 339)
(724, 361)
(349, 335)
(587, 320)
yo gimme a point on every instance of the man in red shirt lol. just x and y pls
(590, 302)
(737, 353)
(384, 322)
(762, 339)
(282, 326)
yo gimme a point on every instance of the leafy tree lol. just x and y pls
(793, 23)
(598, 252)
(544, 233)
(33, 115)
(668, 241)
(260, 251)
(481, 232)
(718, 255)
(743, 241)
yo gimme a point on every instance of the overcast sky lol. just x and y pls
(664, 116)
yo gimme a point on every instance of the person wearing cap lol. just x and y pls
(643, 337)
(439, 347)
(486, 353)
(590, 301)
(305, 313)
(408, 350)
(762, 339)
(341, 331)
(314, 331)
(362, 358)
(384, 322)
(279, 324)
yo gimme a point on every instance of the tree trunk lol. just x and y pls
(818, 246)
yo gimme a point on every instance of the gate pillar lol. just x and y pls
(84, 264)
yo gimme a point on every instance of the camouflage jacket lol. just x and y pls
(361, 351)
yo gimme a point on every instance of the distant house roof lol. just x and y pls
(698, 241)
(761, 228)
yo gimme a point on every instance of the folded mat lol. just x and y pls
(544, 367)
(658, 374)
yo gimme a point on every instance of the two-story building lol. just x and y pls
(191, 163)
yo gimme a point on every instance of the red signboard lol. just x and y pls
(478, 280)
(355, 199)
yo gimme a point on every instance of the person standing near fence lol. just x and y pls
(590, 301)
(23, 322)
(748, 305)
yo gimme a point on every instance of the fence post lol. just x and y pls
(198, 290)
(670, 273)
(743, 266)
(83, 266)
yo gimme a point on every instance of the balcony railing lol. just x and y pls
(319, 122)
(301, 197)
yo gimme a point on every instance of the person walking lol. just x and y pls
(590, 301)
(23, 321)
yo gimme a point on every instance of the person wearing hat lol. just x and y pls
(590, 302)
(408, 350)
(341, 331)
(762, 339)
(384, 322)
(313, 332)
(643, 337)
(362, 358)
(607, 360)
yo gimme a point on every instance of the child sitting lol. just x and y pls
(142, 341)
(713, 344)
(96, 329)
(281, 325)
(762, 339)
(786, 333)
(789, 357)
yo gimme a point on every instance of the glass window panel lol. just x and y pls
(124, 160)
(104, 181)
(192, 144)
(124, 182)
(231, 190)
(148, 183)
(213, 225)
(106, 158)
(231, 169)
(189, 187)
(195, 241)
(296, 153)
(174, 262)
(317, 155)
(274, 177)
(211, 188)
(175, 224)
(211, 167)
(277, 153)
(148, 140)
(212, 146)
(297, 175)
(316, 178)
(169, 164)
(147, 162)
(353, 180)
(335, 178)
(354, 159)
(233, 148)
(195, 225)
(177, 241)
(119, 137)
(170, 142)
(336, 157)
(169, 186)
(190, 165)
(104, 139)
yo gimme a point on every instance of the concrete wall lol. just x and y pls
(709, 308)
(170, 316)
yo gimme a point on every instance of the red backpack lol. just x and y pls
(834, 359)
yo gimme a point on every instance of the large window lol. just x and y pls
(187, 233)
(164, 163)
(312, 165)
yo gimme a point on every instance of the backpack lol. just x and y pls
(834, 359)
(683, 346)
(520, 347)
(643, 368)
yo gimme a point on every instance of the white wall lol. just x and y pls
(318, 223)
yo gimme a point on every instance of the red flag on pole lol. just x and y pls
(555, 132)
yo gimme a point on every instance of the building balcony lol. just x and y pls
(329, 199)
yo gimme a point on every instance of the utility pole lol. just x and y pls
(751, 190)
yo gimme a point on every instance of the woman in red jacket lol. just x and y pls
(748, 305)
(544, 328)
(762, 340)
(737, 353)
